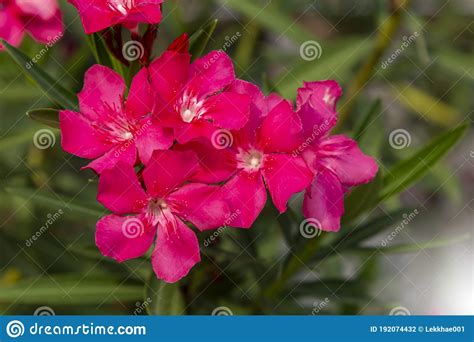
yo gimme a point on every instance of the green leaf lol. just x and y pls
(366, 119)
(416, 247)
(163, 298)
(427, 106)
(362, 198)
(354, 291)
(271, 18)
(459, 64)
(55, 202)
(47, 116)
(200, 39)
(70, 290)
(328, 66)
(51, 87)
(408, 171)
(99, 50)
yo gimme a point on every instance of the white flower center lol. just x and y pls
(121, 6)
(250, 160)
(190, 108)
(328, 98)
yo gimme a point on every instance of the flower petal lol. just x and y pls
(228, 110)
(78, 137)
(168, 74)
(285, 176)
(11, 27)
(281, 129)
(211, 73)
(152, 137)
(247, 196)
(102, 92)
(324, 201)
(167, 170)
(123, 238)
(120, 190)
(203, 205)
(176, 251)
(343, 157)
(46, 30)
(126, 153)
(140, 99)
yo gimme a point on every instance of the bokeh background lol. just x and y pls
(422, 75)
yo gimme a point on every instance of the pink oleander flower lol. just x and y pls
(259, 154)
(109, 128)
(97, 15)
(42, 19)
(159, 212)
(192, 98)
(336, 161)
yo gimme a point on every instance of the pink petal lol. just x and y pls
(46, 30)
(324, 201)
(281, 130)
(203, 205)
(316, 105)
(140, 99)
(152, 137)
(176, 251)
(247, 196)
(11, 27)
(145, 11)
(102, 92)
(120, 191)
(228, 110)
(185, 132)
(123, 238)
(343, 157)
(126, 153)
(285, 176)
(167, 170)
(216, 165)
(168, 75)
(42, 9)
(95, 15)
(211, 73)
(78, 137)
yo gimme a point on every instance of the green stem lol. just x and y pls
(385, 36)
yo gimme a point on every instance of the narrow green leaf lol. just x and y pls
(427, 106)
(408, 171)
(200, 39)
(55, 202)
(362, 198)
(366, 119)
(416, 247)
(47, 116)
(74, 290)
(98, 49)
(271, 18)
(459, 64)
(163, 298)
(51, 87)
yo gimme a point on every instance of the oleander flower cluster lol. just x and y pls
(187, 146)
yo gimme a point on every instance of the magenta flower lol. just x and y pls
(336, 161)
(192, 98)
(159, 212)
(97, 15)
(260, 154)
(42, 19)
(108, 128)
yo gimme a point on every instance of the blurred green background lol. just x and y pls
(425, 90)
